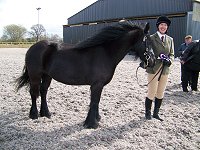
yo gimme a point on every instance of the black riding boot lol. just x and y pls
(148, 103)
(158, 103)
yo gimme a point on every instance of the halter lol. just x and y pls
(147, 57)
(146, 53)
(162, 57)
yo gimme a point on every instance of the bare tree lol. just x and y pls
(14, 33)
(54, 38)
(38, 31)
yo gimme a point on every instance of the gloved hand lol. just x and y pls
(167, 62)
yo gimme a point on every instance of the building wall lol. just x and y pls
(105, 10)
(76, 34)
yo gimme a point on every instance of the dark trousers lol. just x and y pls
(185, 75)
(194, 76)
(189, 77)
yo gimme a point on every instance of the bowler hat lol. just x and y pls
(163, 19)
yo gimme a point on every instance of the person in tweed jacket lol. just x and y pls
(163, 47)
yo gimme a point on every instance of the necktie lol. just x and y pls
(162, 38)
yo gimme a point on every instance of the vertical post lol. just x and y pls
(38, 25)
(38, 9)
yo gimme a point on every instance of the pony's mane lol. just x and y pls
(108, 34)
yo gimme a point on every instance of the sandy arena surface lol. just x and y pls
(122, 126)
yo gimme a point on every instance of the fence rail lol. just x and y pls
(16, 44)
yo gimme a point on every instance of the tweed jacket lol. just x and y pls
(166, 47)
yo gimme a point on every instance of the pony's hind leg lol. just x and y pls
(46, 81)
(34, 92)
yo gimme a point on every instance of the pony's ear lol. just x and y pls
(146, 28)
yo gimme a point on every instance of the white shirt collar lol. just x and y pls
(160, 35)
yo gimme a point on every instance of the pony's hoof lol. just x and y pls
(98, 118)
(45, 114)
(91, 125)
(33, 116)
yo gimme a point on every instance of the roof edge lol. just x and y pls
(83, 9)
(198, 1)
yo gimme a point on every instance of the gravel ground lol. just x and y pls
(122, 126)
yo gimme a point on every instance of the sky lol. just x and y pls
(52, 15)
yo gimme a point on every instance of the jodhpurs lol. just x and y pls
(156, 88)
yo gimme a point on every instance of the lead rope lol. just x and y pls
(160, 70)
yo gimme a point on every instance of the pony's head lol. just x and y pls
(143, 47)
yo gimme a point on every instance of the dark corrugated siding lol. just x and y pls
(76, 34)
(114, 9)
(177, 30)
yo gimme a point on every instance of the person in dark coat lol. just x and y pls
(183, 46)
(184, 71)
(189, 55)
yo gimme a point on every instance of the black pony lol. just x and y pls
(192, 56)
(91, 62)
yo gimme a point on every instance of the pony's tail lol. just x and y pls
(23, 80)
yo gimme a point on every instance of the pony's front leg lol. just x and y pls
(93, 115)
